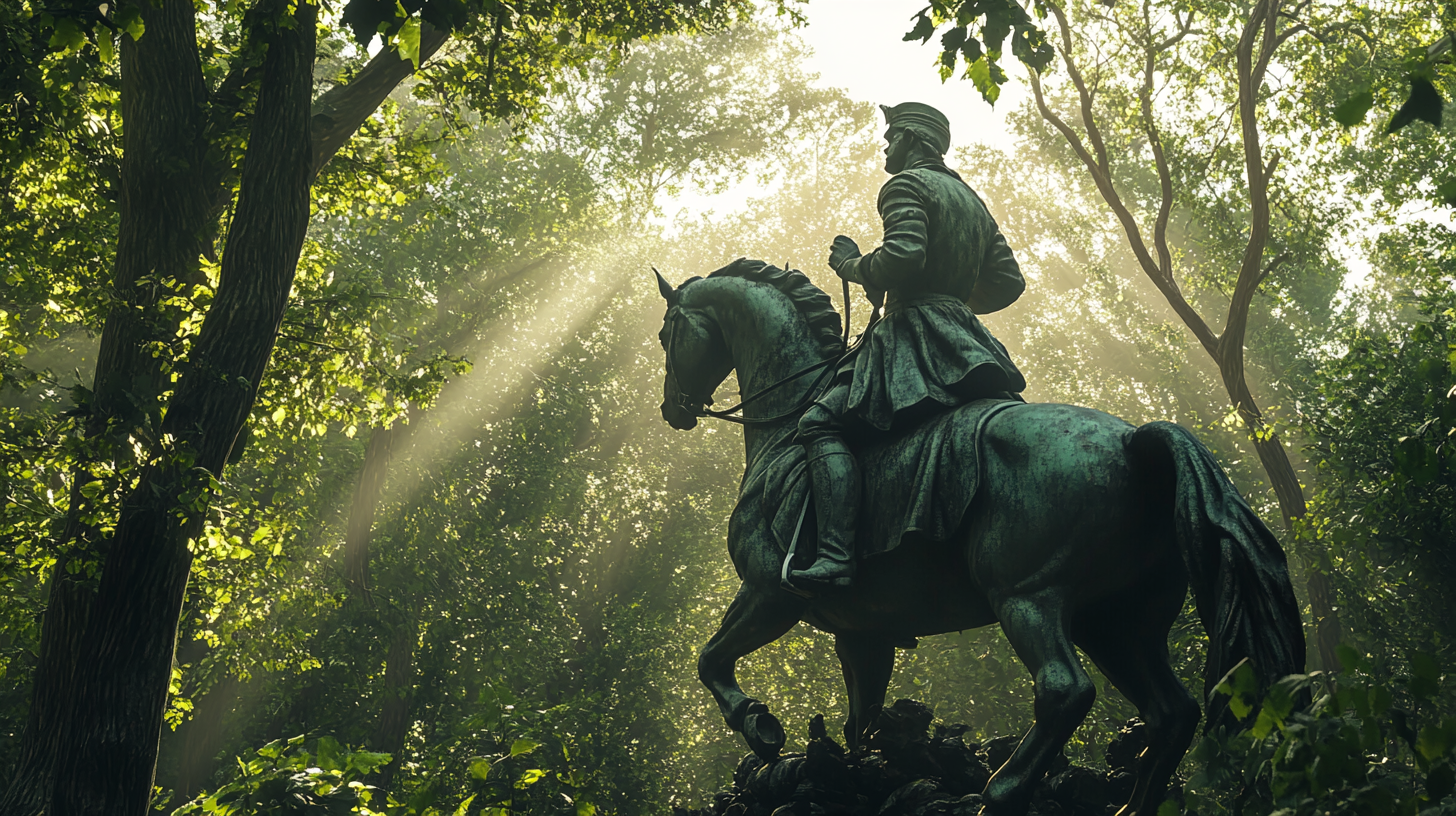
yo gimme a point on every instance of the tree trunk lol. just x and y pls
(201, 738)
(108, 736)
(367, 495)
(163, 232)
(394, 712)
(1256, 46)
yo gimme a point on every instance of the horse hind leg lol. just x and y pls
(1037, 627)
(1129, 644)
(867, 661)
(755, 619)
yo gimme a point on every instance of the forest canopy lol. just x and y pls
(334, 478)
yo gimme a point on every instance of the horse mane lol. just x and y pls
(811, 301)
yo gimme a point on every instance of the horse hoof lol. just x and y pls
(764, 735)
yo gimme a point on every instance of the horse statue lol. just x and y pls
(1067, 526)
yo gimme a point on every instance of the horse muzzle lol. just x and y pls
(678, 416)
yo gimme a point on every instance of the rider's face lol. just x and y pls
(897, 149)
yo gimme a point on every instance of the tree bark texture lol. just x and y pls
(1256, 46)
(108, 741)
(162, 234)
(170, 201)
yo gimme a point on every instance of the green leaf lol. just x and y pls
(480, 769)
(92, 489)
(1349, 658)
(67, 36)
(1423, 104)
(523, 746)
(366, 762)
(922, 31)
(1446, 192)
(529, 778)
(1352, 111)
(1436, 740)
(1441, 781)
(464, 808)
(104, 45)
(328, 754)
(980, 72)
(408, 41)
(129, 19)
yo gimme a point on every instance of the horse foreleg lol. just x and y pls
(867, 661)
(1037, 628)
(755, 619)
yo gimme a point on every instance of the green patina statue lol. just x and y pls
(942, 260)
(1068, 527)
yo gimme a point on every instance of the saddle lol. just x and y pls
(920, 482)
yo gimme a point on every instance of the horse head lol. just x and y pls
(697, 356)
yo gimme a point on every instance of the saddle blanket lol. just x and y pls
(919, 482)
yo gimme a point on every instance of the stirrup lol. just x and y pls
(784, 581)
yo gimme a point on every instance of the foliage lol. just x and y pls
(980, 51)
(1383, 431)
(286, 778)
(1364, 745)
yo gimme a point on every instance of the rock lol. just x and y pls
(1119, 787)
(1130, 741)
(905, 771)
(913, 799)
(900, 726)
(999, 750)
(1082, 791)
(817, 731)
(747, 767)
(962, 771)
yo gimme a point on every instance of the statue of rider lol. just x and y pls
(943, 260)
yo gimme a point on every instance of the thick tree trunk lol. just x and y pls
(163, 232)
(108, 740)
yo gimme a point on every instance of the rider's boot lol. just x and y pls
(834, 478)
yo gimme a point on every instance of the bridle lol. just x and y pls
(826, 368)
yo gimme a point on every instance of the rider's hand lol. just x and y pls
(843, 249)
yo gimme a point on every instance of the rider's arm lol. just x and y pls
(901, 256)
(1000, 282)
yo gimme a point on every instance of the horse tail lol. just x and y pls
(1236, 568)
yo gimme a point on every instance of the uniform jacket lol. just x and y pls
(942, 261)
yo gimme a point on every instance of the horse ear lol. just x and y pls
(668, 293)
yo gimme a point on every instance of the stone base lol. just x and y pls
(907, 771)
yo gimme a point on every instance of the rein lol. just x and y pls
(825, 367)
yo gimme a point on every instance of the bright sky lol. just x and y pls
(857, 46)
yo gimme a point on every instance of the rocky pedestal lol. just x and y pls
(906, 770)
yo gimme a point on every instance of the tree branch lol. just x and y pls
(1105, 186)
(342, 109)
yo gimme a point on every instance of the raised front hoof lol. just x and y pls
(763, 733)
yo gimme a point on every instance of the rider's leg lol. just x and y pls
(835, 481)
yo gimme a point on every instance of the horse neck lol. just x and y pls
(768, 341)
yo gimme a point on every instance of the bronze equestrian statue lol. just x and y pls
(942, 261)
(1067, 526)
